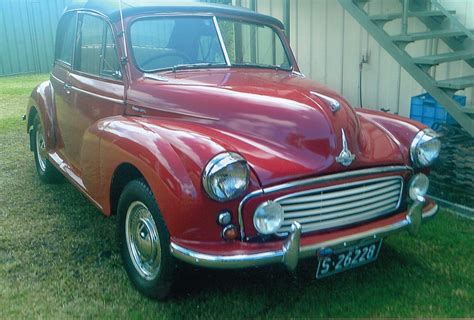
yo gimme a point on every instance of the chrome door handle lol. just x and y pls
(68, 88)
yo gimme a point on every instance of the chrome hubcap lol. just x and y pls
(143, 241)
(40, 148)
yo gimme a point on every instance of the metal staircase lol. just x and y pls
(441, 24)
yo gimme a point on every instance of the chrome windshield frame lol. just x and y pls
(221, 40)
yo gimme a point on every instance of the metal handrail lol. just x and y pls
(406, 4)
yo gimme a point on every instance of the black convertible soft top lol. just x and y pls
(110, 8)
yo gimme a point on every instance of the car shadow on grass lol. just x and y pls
(283, 288)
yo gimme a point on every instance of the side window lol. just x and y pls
(110, 62)
(96, 54)
(65, 38)
(89, 46)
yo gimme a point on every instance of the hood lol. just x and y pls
(283, 124)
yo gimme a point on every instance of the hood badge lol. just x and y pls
(333, 104)
(345, 157)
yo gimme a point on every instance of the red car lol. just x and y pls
(195, 126)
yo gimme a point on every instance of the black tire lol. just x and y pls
(45, 169)
(148, 262)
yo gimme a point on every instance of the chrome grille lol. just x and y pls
(341, 205)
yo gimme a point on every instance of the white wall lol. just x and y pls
(329, 45)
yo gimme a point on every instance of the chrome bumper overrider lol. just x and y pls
(291, 251)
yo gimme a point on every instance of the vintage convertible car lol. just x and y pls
(194, 125)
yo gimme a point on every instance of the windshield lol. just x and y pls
(251, 44)
(171, 43)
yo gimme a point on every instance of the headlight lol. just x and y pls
(226, 177)
(419, 185)
(425, 148)
(268, 217)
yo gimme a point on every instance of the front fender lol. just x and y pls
(171, 162)
(41, 100)
(403, 130)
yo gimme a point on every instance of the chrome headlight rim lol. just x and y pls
(422, 137)
(221, 162)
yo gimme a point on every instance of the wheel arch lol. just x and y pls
(123, 174)
(31, 117)
(41, 104)
(32, 113)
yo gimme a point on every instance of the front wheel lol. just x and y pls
(45, 169)
(145, 241)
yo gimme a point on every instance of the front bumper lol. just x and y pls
(292, 249)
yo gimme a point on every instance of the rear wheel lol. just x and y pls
(145, 241)
(46, 171)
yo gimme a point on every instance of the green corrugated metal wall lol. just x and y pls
(27, 34)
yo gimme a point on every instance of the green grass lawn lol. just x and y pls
(59, 258)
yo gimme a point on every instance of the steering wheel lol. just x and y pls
(170, 53)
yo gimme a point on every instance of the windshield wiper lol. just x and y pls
(196, 66)
(262, 66)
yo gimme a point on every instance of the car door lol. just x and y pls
(96, 89)
(64, 55)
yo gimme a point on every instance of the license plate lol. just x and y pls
(346, 259)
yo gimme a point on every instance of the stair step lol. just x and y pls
(456, 83)
(428, 35)
(469, 110)
(411, 14)
(445, 57)
(361, 3)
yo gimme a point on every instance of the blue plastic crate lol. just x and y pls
(426, 110)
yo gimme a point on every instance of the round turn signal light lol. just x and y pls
(230, 233)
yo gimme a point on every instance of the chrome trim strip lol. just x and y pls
(174, 112)
(310, 181)
(118, 101)
(155, 77)
(185, 114)
(57, 79)
(285, 255)
(221, 40)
